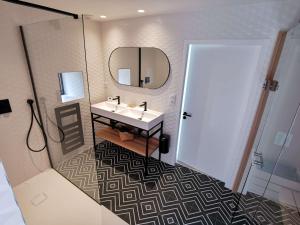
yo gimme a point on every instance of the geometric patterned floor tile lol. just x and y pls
(81, 171)
(169, 195)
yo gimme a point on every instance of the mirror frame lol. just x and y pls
(169, 70)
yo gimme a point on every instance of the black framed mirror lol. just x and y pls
(145, 67)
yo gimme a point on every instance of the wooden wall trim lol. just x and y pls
(260, 108)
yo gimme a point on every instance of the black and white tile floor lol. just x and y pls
(168, 195)
(81, 171)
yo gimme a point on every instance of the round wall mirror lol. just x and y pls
(139, 67)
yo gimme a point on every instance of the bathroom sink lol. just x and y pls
(142, 119)
(132, 113)
(107, 109)
(110, 106)
(133, 116)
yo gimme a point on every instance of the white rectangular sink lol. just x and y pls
(133, 116)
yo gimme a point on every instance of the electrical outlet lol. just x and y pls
(280, 138)
(105, 84)
(172, 100)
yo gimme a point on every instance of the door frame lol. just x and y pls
(186, 51)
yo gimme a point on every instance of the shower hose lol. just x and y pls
(33, 116)
(47, 120)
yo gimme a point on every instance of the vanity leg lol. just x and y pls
(146, 159)
(161, 132)
(93, 129)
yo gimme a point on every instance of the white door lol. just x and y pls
(219, 85)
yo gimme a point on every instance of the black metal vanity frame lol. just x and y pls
(149, 134)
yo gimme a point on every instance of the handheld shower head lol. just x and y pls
(30, 101)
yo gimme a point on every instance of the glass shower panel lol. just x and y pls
(57, 55)
(282, 192)
(271, 192)
(249, 199)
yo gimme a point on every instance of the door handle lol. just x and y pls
(185, 115)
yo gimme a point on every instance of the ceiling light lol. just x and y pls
(102, 17)
(141, 11)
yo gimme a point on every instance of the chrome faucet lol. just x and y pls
(117, 98)
(144, 105)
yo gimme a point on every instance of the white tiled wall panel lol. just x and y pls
(94, 60)
(94, 53)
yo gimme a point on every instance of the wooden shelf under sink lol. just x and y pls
(138, 145)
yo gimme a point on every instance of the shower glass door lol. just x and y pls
(57, 56)
(271, 192)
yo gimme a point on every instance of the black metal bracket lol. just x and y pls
(141, 82)
(41, 7)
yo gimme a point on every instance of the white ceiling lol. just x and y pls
(120, 9)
